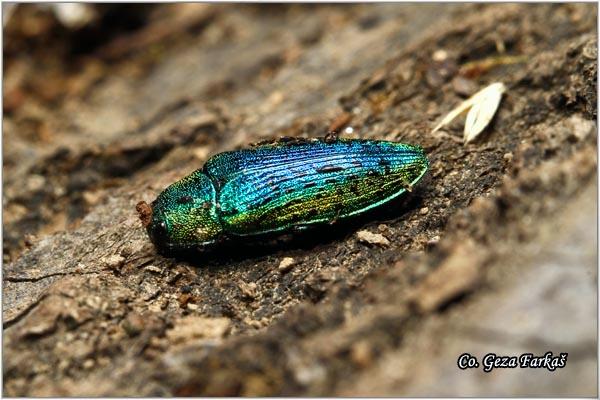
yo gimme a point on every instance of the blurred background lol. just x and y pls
(106, 105)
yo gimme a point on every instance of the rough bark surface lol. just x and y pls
(494, 252)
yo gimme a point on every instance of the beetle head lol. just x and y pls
(184, 215)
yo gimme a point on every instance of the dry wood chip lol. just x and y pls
(194, 327)
(372, 238)
(286, 264)
(249, 290)
(114, 261)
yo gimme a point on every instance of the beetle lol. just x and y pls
(280, 186)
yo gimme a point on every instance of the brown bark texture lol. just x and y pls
(494, 252)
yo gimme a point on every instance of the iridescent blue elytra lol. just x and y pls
(280, 186)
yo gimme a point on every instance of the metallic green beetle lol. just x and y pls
(280, 186)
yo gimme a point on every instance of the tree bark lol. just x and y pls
(494, 252)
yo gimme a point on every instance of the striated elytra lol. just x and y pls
(280, 186)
